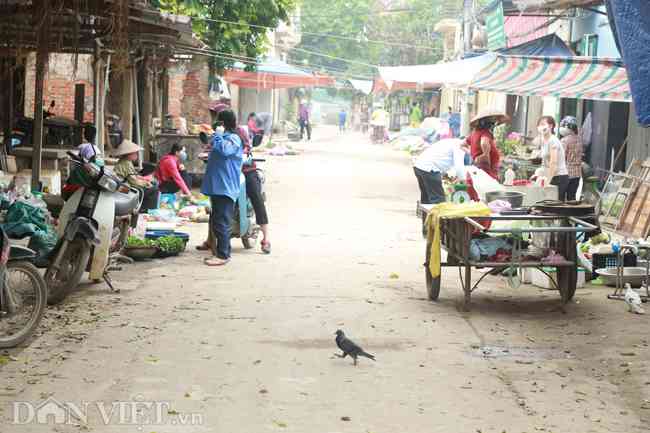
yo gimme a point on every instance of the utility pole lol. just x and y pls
(467, 25)
(467, 47)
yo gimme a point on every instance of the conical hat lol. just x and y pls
(490, 112)
(126, 148)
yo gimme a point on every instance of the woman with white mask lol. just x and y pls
(553, 156)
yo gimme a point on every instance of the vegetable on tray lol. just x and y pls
(136, 242)
(170, 244)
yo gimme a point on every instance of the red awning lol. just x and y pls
(267, 81)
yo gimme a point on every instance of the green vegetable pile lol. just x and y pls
(170, 244)
(136, 242)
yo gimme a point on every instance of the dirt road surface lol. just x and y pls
(249, 348)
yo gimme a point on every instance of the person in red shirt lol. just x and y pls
(256, 132)
(170, 172)
(485, 154)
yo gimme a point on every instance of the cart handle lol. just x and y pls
(585, 227)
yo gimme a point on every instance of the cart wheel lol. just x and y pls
(433, 284)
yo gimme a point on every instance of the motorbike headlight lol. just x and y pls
(108, 183)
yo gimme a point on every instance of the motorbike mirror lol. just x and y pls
(204, 137)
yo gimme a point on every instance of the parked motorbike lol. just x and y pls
(58, 131)
(243, 222)
(23, 293)
(93, 224)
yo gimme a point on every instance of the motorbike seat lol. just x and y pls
(125, 203)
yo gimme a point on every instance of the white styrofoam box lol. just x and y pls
(540, 279)
(50, 178)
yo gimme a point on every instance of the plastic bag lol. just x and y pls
(483, 182)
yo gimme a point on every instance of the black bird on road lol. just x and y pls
(349, 347)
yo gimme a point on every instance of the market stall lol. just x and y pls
(475, 237)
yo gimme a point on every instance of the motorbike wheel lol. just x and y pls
(72, 268)
(248, 242)
(28, 291)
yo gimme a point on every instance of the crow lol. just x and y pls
(349, 347)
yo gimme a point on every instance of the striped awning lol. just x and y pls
(572, 77)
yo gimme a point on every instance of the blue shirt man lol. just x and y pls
(342, 118)
(221, 183)
(224, 166)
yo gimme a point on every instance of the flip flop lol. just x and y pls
(215, 261)
(266, 247)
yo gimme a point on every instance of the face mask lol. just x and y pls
(565, 131)
(183, 155)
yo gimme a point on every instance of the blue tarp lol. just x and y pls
(630, 21)
(546, 46)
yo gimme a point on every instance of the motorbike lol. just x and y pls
(243, 222)
(23, 293)
(59, 131)
(93, 227)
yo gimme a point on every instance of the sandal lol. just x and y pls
(215, 261)
(203, 247)
(266, 247)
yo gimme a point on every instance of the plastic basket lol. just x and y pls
(600, 261)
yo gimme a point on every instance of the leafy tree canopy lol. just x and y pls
(374, 32)
(242, 39)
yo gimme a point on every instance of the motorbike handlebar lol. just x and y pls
(259, 160)
(74, 156)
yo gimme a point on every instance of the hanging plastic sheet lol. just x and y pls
(630, 22)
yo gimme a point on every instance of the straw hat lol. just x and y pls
(126, 148)
(499, 116)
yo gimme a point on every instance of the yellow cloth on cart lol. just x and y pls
(472, 209)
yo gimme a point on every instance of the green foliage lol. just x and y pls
(224, 36)
(404, 31)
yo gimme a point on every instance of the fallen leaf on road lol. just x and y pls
(393, 276)
(151, 359)
(280, 424)
(4, 360)
(628, 354)
(188, 395)
(172, 412)
(264, 391)
(345, 418)
(257, 362)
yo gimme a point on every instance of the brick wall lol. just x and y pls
(188, 91)
(59, 85)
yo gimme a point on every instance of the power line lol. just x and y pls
(254, 61)
(325, 35)
(315, 53)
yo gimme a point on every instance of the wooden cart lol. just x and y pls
(456, 234)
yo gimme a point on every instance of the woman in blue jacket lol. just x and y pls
(221, 183)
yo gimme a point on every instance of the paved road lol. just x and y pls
(249, 348)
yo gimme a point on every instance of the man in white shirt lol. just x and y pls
(436, 161)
